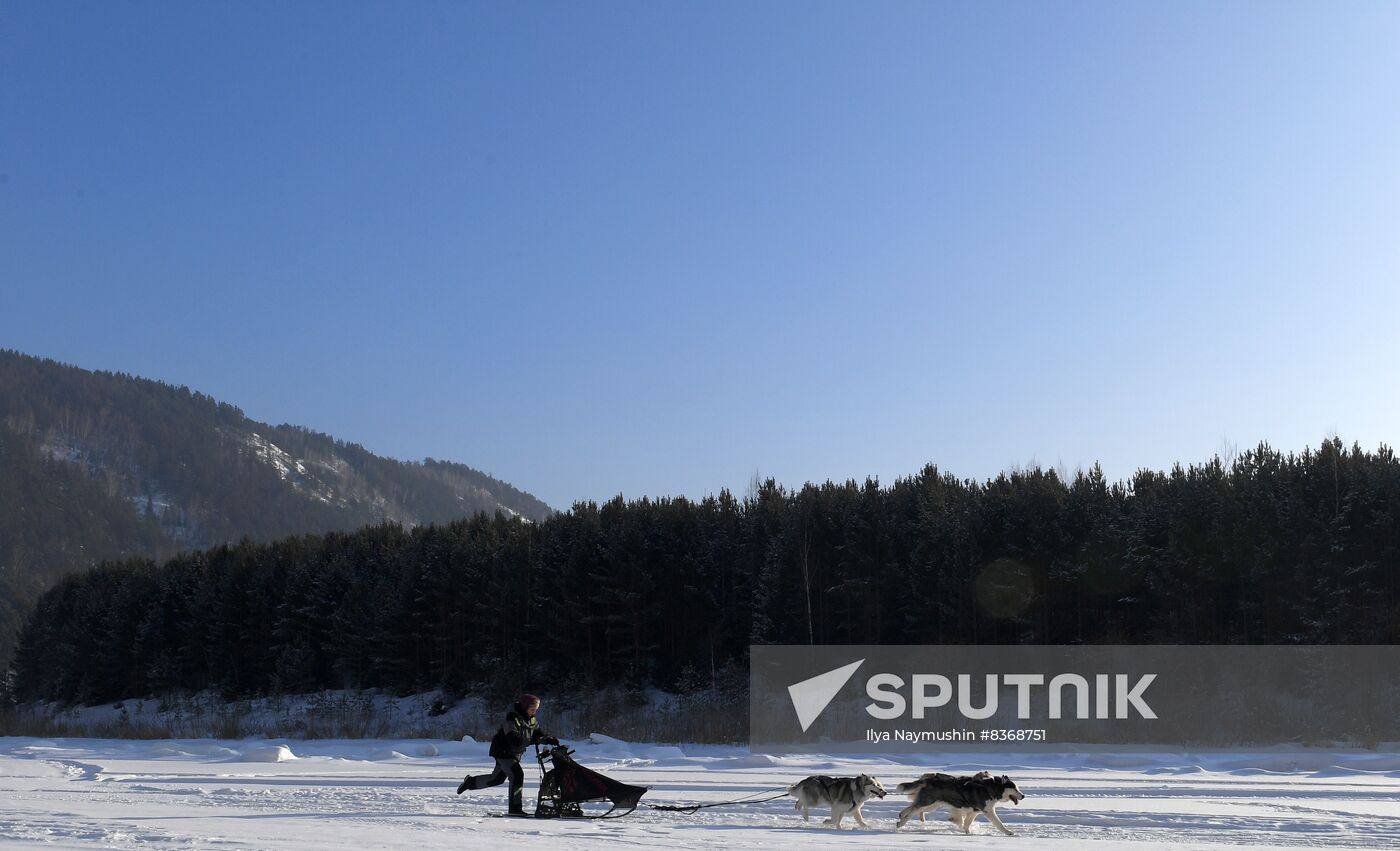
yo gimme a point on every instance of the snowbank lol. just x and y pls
(272, 753)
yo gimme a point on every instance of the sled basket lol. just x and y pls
(567, 785)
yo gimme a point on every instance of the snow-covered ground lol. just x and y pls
(290, 794)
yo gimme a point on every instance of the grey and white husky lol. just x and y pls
(843, 794)
(966, 797)
(934, 776)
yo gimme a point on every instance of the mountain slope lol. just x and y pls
(97, 466)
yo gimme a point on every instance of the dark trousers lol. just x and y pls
(506, 767)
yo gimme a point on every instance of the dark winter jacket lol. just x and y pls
(517, 733)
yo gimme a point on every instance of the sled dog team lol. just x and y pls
(966, 797)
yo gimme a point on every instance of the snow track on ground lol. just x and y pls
(86, 793)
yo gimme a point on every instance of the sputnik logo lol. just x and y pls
(810, 697)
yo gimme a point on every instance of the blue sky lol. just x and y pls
(654, 248)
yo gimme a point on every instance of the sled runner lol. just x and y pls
(566, 786)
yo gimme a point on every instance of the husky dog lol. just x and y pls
(910, 788)
(966, 797)
(843, 794)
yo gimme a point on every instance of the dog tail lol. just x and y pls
(911, 788)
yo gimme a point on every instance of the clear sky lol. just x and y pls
(651, 248)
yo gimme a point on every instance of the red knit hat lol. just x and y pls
(525, 699)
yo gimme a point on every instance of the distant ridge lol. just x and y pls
(98, 465)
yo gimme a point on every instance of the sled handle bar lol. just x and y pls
(568, 751)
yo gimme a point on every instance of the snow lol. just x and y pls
(271, 753)
(398, 794)
(292, 470)
(60, 447)
(275, 455)
(159, 503)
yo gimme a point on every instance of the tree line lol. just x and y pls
(1269, 548)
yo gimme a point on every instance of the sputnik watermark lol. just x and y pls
(908, 697)
(902, 735)
(811, 696)
(890, 703)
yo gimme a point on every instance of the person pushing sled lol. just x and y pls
(518, 732)
(564, 787)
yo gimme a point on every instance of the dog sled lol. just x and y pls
(565, 786)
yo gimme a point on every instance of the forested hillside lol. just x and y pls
(96, 466)
(1272, 548)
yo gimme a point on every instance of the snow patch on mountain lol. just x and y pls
(156, 503)
(60, 447)
(295, 472)
(274, 455)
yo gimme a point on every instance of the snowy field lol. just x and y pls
(288, 794)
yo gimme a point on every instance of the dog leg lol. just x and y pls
(991, 814)
(913, 810)
(962, 818)
(860, 821)
(910, 811)
(837, 814)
